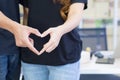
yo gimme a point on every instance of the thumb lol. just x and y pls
(31, 41)
(31, 47)
(35, 31)
(46, 33)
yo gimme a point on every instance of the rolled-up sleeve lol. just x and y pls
(81, 1)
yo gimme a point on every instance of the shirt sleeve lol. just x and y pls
(24, 3)
(80, 1)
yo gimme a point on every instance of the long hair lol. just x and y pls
(65, 7)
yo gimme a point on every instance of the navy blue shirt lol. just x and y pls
(7, 42)
(44, 14)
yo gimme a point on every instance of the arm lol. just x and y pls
(73, 20)
(6, 23)
(20, 32)
(74, 17)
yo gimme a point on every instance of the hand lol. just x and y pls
(22, 37)
(55, 36)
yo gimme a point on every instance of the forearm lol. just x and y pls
(74, 17)
(7, 23)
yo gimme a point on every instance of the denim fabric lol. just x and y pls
(44, 72)
(9, 67)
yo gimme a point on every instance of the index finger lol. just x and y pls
(32, 48)
(43, 50)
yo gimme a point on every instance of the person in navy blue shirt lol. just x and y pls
(9, 52)
(60, 44)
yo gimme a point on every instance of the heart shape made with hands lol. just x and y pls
(37, 43)
(52, 36)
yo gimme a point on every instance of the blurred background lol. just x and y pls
(104, 14)
(101, 31)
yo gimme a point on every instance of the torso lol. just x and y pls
(7, 43)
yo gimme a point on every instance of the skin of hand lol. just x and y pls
(55, 36)
(73, 20)
(22, 38)
(20, 32)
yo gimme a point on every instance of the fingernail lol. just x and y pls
(39, 53)
(39, 34)
(42, 35)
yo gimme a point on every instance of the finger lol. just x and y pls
(43, 50)
(35, 31)
(49, 44)
(50, 49)
(31, 47)
(46, 46)
(32, 41)
(46, 33)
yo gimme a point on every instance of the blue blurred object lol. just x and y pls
(95, 38)
(99, 77)
(98, 54)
